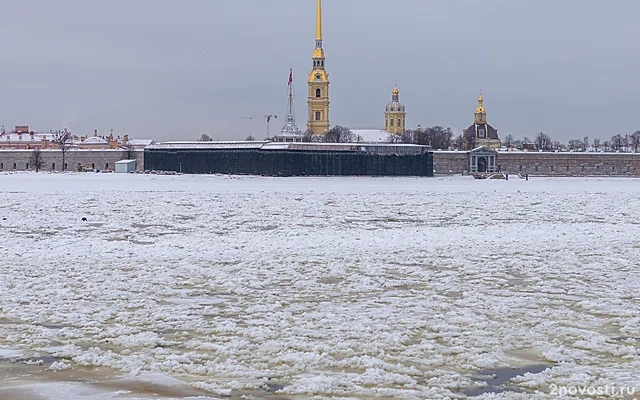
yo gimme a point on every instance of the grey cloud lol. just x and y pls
(175, 69)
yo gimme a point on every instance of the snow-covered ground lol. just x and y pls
(290, 288)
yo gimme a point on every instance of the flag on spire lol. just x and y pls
(290, 76)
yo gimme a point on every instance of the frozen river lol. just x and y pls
(296, 288)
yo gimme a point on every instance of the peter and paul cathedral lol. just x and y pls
(318, 84)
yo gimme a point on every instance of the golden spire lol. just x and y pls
(318, 53)
(481, 113)
(319, 21)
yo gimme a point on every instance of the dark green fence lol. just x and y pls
(287, 162)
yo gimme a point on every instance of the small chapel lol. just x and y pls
(481, 133)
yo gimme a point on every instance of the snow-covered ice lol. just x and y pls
(345, 288)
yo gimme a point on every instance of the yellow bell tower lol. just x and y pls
(318, 84)
(395, 114)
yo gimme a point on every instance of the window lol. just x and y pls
(613, 168)
(65, 166)
(93, 166)
(391, 122)
(106, 166)
(537, 168)
(552, 168)
(386, 123)
(583, 168)
(53, 166)
(318, 93)
(318, 116)
(521, 168)
(2, 166)
(15, 166)
(399, 124)
(481, 133)
(628, 167)
(26, 166)
(567, 168)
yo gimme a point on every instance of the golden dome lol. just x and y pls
(481, 113)
(395, 92)
(480, 108)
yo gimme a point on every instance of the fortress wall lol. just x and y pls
(570, 164)
(287, 163)
(98, 159)
(450, 162)
(548, 164)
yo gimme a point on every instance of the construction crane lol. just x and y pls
(268, 117)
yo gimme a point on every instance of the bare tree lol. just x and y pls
(465, 142)
(250, 138)
(596, 144)
(63, 140)
(543, 142)
(436, 136)
(440, 138)
(576, 145)
(36, 159)
(634, 141)
(617, 142)
(309, 137)
(339, 134)
(517, 144)
(508, 140)
(585, 142)
(626, 141)
(393, 138)
(205, 138)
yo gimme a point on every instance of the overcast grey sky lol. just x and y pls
(169, 69)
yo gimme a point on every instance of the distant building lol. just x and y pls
(22, 138)
(395, 114)
(483, 159)
(395, 117)
(481, 133)
(318, 84)
(126, 166)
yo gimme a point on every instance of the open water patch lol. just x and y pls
(498, 380)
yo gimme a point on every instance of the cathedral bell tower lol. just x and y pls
(318, 84)
(395, 114)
